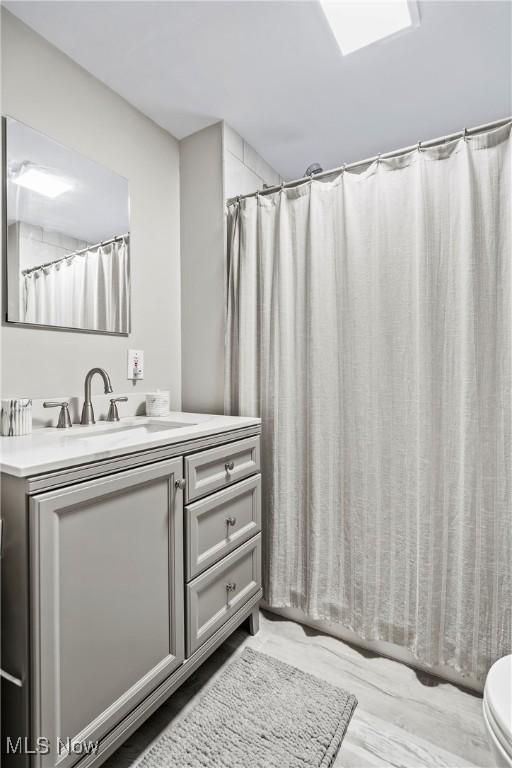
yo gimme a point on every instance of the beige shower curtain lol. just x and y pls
(369, 324)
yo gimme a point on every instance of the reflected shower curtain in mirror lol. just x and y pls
(369, 324)
(87, 290)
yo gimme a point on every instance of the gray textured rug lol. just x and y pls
(260, 713)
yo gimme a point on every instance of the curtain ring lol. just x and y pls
(420, 148)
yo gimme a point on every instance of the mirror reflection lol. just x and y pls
(68, 237)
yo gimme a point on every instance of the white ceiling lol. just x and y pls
(273, 71)
(94, 209)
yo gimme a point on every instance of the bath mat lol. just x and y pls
(260, 713)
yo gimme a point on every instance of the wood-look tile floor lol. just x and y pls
(403, 718)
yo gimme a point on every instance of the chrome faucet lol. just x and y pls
(87, 410)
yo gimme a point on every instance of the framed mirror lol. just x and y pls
(67, 236)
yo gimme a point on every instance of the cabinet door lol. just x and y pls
(107, 601)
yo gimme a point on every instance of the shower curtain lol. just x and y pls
(369, 325)
(87, 290)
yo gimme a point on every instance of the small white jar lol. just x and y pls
(157, 403)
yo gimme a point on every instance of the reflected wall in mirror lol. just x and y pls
(68, 236)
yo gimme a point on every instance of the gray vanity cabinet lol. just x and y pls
(107, 599)
(120, 576)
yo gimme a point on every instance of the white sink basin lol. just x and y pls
(151, 428)
(111, 435)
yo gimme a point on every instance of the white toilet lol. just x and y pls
(498, 711)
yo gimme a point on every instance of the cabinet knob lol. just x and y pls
(180, 483)
(231, 520)
(231, 586)
(230, 465)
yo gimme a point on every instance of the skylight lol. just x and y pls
(357, 24)
(42, 182)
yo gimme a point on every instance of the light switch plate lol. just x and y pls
(135, 364)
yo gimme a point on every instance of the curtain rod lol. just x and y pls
(395, 153)
(76, 253)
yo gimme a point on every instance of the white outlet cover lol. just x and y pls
(135, 364)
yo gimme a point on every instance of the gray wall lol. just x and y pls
(202, 270)
(216, 163)
(45, 89)
(244, 169)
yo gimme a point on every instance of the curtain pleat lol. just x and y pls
(369, 325)
(89, 290)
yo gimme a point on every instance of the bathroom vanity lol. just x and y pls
(129, 553)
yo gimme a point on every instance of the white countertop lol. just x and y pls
(51, 448)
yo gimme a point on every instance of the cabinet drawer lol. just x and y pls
(218, 524)
(217, 468)
(219, 592)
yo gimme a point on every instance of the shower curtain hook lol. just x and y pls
(378, 158)
(419, 146)
(465, 136)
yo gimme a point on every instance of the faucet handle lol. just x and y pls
(113, 414)
(64, 421)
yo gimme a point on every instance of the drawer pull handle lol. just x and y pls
(180, 483)
(230, 465)
(231, 520)
(231, 586)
